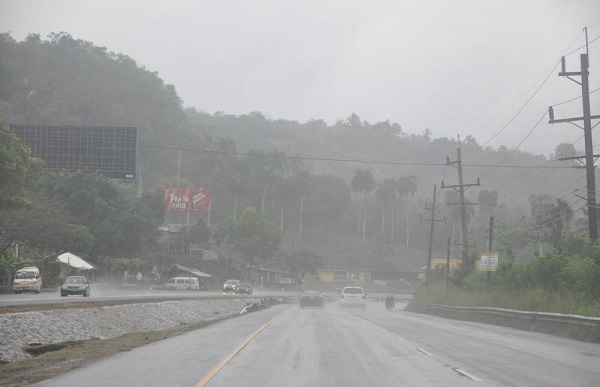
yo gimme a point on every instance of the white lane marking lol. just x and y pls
(468, 375)
(424, 351)
(400, 338)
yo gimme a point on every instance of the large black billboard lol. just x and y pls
(109, 150)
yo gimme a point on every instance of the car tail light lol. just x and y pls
(342, 296)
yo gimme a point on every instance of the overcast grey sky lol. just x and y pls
(453, 67)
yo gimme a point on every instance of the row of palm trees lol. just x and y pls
(387, 193)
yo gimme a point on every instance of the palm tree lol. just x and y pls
(293, 164)
(364, 183)
(406, 186)
(386, 194)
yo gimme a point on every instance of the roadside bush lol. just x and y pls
(546, 270)
(513, 276)
(459, 274)
(581, 276)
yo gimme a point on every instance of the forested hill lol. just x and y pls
(252, 160)
(63, 80)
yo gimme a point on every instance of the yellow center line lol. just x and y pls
(228, 358)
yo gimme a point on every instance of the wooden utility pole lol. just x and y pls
(587, 133)
(432, 220)
(461, 191)
(489, 273)
(448, 247)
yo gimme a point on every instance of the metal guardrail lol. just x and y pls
(530, 316)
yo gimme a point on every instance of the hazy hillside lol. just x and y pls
(248, 159)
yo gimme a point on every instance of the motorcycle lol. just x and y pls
(390, 303)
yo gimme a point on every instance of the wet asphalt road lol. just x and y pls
(348, 347)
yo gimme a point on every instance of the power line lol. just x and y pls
(328, 159)
(575, 99)
(518, 146)
(544, 223)
(522, 107)
(579, 48)
(532, 96)
(524, 94)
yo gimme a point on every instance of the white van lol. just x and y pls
(183, 283)
(27, 279)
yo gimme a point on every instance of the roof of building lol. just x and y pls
(195, 272)
(74, 261)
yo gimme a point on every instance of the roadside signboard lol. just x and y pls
(187, 199)
(489, 261)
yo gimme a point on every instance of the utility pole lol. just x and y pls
(432, 220)
(461, 191)
(448, 247)
(587, 133)
(489, 273)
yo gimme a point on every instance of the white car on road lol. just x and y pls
(353, 296)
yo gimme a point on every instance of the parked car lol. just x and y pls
(245, 288)
(312, 298)
(353, 296)
(27, 279)
(75, 285)
(231, 285)
(182, 283)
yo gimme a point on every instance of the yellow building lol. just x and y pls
(441, 263)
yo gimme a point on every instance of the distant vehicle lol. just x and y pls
(353, 296)
(244, 288)
(231, 286)
(312, 298)
(390, 302)
(75, 285)
(27, 279)
(182, 283)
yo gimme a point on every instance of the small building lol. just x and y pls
(274, 279)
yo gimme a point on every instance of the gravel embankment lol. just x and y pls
(18, 330)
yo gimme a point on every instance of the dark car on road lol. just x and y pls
(75, 285)
(231, 286)
(244, 288)
(312, 298)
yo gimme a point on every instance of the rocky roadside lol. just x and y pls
(19, 331)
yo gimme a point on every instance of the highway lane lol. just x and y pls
(103, 292)
(348, 347)
(100, 292)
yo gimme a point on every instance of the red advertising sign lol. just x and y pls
(187, 199)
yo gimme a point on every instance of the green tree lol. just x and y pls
(223, 234)
(302, 262)
(17, 170)
(120, 223)
(327, 198)
(255, 237)
(199, 233)
(553, 223)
